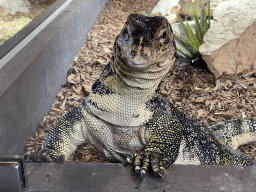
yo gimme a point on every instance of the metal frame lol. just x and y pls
(12, 173)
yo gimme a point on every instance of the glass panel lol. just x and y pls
(15, 14)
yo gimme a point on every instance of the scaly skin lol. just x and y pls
(127, 121)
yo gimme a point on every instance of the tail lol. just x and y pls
(233, 133)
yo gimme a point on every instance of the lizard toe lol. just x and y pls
(45, 156)
(160, 172)
(155, 164)
(31, 156)
(130, 159)
(142, 173)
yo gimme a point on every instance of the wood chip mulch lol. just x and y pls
(196, 91)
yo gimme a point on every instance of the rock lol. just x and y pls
(169, 8)
(189, 6)
(230, 43)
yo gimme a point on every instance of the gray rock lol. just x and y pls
(230, 44)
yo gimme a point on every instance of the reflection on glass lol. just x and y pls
(14, 15)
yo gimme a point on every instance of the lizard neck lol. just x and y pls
(128, 94)
(140, 79)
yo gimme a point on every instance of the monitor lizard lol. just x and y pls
(126, 119)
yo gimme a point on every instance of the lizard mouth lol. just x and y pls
(139, 63)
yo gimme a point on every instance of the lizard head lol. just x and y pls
(145, 41)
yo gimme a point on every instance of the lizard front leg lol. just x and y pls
(63, 138)
(162, 148)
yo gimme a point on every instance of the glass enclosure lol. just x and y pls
(15, 14)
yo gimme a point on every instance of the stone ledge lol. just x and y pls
(115, 177)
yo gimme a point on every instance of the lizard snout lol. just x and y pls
(138, 61)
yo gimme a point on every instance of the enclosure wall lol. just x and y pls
(31, 79)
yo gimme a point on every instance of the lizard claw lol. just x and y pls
(141, 164)
(129, 159)
(134, 159)
(160, 172)
(144, 160)
(43, 156)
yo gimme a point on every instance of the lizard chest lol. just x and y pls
(114, 141)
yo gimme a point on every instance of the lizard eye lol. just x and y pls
(164, 34)
(125, 33)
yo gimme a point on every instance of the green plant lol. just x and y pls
(147, 13)
(188, 44)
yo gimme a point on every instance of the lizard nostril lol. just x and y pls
(133, 53)
(146, 51)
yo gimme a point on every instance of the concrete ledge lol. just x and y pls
(31, 79)
(115, 177)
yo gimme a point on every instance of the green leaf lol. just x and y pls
(180, 39)
(198, 28)
(209, 17)
(205, 21)
(183, 27)
(185, 46)
(182, 53)
(209, 14)
(147, 13)
(192, 38)
(188, 45)
(191, 48)
(202, 14)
